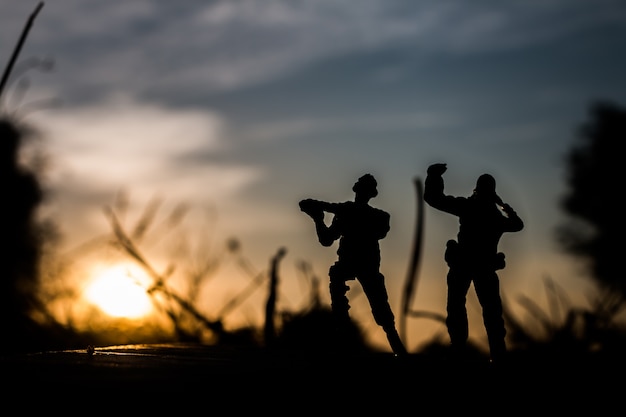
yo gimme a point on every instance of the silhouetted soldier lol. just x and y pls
(483, 218)
(359, 227)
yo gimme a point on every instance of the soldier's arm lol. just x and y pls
(311, 205)
(334, 208)
(514, 222)
(434, 191)
(383, 224)
(326, 235)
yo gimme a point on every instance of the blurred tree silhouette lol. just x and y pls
(23, 238)
(596, 227)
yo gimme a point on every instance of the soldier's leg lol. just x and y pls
(456, 320)
(487, 289)
(374, 288)
(338, 300)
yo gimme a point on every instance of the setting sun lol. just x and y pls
(119, 291)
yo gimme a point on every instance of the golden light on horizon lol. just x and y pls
(120, 291)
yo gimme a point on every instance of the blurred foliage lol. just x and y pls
(26, 239)
(565, 330)
(595, 226)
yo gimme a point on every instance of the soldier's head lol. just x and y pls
(485, 185)
(366, 186)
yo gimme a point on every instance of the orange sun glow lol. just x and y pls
(119, 291)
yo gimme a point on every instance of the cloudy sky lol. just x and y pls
(245, 107)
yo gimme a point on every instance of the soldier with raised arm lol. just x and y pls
(473, 256)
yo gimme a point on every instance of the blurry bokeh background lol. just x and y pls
(173, 141)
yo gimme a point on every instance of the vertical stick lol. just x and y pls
(18, 47)
(269, 330)
(411, 278)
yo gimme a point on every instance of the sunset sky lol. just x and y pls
(242, 108)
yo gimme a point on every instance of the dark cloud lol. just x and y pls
(150, 46)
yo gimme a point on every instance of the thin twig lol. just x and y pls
(18, 47)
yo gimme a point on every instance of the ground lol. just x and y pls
(159, 377)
